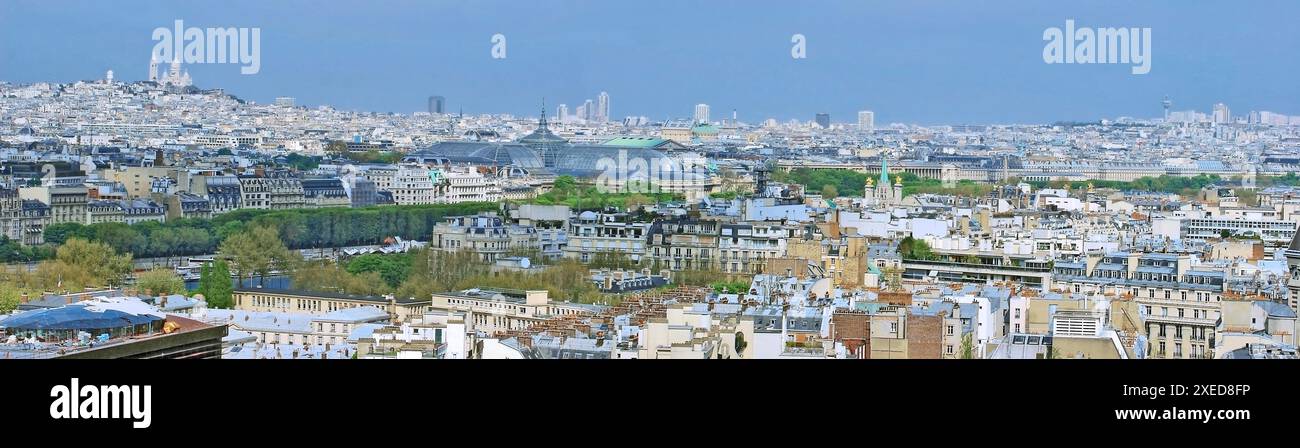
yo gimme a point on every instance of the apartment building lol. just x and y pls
(500, 310)
(745, 248)
(270, 193)
(1179, 302)
(319, 303)
(684, 243)
(414, 185)
(592, 233)
(67, 202)
(469, 185)
(487, 235)
(325, 192)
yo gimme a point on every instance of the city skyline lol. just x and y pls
(939, 70)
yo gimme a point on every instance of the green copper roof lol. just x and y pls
(635, 142)
(884, 171)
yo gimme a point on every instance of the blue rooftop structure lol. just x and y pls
(75, 317)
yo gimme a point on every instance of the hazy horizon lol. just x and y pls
(924, 62)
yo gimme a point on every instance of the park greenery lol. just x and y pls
(845, 182)
(567, 191)
(730, 287)
(14, 251)
(76, 265)
(851, 183)
(1186, 186)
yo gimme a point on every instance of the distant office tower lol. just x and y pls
(602, 107)
(867, 120)
(437, 105)
(1221, 114)
(286, 101)
(824, 120)
(1167, 103)
(562, 112)
(153, 68)
(701, 113)
(588, 110)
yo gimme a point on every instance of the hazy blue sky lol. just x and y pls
(910, 61)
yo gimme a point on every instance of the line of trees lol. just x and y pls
(425, 271)
(843, 182)
(567, 191)
(298, 228)
(1187, 186)
(76, 265)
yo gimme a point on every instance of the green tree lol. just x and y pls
(1247, 196)
(565, 183)
(10, 297)
(324, 275)
(830, 192)
(967, 346)
(99, 260)
(61, 232)
(393, 268)
(635, 202)
(257, 252)
(215, 284)
(914, 248)
(160, 281)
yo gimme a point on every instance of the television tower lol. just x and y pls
(1167, 104)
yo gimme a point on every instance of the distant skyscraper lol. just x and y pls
(581, 112)
(602, 107)
(824, 120)
(1221, 114)
(562, 112)
(588, 110)
(153, 68)
(1167, 103)
(437, 105)
(867, 120)
(701, 113)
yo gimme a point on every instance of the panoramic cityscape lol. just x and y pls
(152, 213)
